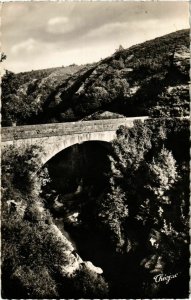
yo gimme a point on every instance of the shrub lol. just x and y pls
(90, 284)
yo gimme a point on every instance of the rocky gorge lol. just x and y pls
(101, 219)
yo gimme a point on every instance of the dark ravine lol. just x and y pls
(101, 219)
(75, 200)
(80, 176)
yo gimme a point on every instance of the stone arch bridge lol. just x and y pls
(55, 137)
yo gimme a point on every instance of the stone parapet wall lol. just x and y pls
(63, 129)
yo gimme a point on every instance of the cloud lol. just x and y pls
(36, 34)
(58, 21)
(133, 32)
(107, 29)
(121, 28)
(59, 25)
(28, 46)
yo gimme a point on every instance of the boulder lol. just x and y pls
(93, 268)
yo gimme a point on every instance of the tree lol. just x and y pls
(3, 57)
(112, 213)
(161, 176)
(89, 284)
(130, 148)
(119, 49)
(147, 174)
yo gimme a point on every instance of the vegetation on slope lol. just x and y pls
(136, 224)
(24, 94)
(38, 261)
(146, 79)
(139, 211)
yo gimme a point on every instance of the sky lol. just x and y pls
(37, 35)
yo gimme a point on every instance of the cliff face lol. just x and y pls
(149, 78)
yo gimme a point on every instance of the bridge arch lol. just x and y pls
(53, 146)
(55, 137)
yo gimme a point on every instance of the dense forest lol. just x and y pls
(127, 223)
(147, 79)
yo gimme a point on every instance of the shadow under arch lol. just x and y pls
(71, 164)
(79, 175)
(54, 145)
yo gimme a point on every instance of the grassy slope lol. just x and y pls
(131, 82)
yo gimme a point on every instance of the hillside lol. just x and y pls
(147, 79)
(100, 220)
